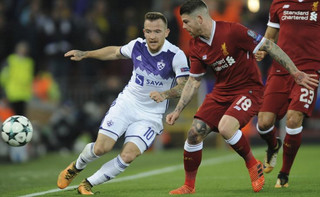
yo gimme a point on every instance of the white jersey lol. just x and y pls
(152, 72)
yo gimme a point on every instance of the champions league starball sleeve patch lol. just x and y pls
(184, 69)
(254, 35)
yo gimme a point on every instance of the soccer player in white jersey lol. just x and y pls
(157, 66)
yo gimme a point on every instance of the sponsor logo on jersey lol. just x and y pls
(222, 64)
(184, 69)
(153, 83)
(256, 37)
(224, 49)
(161, 65)
(139, 58)
(139, 79)
(301, 15)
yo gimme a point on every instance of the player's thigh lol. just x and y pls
(142, 133)
(116, 121)
(211, 112)
(103, 144)
(244, 107)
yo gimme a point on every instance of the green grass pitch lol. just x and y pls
(222, 173)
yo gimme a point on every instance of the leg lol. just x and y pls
(115, 166)
(265, 127)
(229, 129)
(91, 152)
(292, 142)
(192, 155)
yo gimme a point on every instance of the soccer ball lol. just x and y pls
(16, 130)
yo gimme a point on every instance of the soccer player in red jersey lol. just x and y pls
(295, 25)
(228, 49)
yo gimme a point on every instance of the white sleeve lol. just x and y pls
(259, 45)
(126, 50)
(180, 64)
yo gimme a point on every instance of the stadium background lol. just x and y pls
(67, 118)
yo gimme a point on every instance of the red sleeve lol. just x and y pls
(197, 68)
(273, 16)
(245, 38)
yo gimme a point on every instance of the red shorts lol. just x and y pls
(242, 107)
(282, 94)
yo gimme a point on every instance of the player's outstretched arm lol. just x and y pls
(301, 78)
(174, 92)
(106, 53)
(272, 34)
(190, 88)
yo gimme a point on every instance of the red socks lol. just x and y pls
(242, 147)
(291, 146)
(191, 162)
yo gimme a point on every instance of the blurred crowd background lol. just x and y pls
(66, 100)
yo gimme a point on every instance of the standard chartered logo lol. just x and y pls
(313, 16)
(230, 60)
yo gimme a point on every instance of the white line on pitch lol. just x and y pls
(206, 162)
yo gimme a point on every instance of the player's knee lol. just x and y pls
(194, 137)
(265, 123)
(100, 150)
(128, 157)
(294, 120)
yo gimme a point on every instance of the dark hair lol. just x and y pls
(152, 16)
(191, 5)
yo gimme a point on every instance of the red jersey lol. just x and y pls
(229, 52)
(299, 33)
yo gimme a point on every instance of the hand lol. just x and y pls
(157, 96)
(306, 80)
(76, 55)
(260, 55)
(172, 117)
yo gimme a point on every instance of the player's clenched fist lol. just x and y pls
(172, 117)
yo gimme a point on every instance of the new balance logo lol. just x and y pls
(286, 6)
(139, 58)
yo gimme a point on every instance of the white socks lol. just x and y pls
(108, 171)
(192, 148)
(235, 138)
(86, 156)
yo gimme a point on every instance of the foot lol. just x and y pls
(270, 159)
(282, 180)
(85, 188)
(184, 189)
(256, 176)
(67, 175)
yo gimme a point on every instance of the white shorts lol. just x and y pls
(140, 127)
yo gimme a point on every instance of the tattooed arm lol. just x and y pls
(188, 91)
(283, 59)
(174, 92)
(272, 34)
(106, 53)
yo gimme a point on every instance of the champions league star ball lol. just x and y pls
(16, 130)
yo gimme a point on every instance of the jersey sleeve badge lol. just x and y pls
(256, 37)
